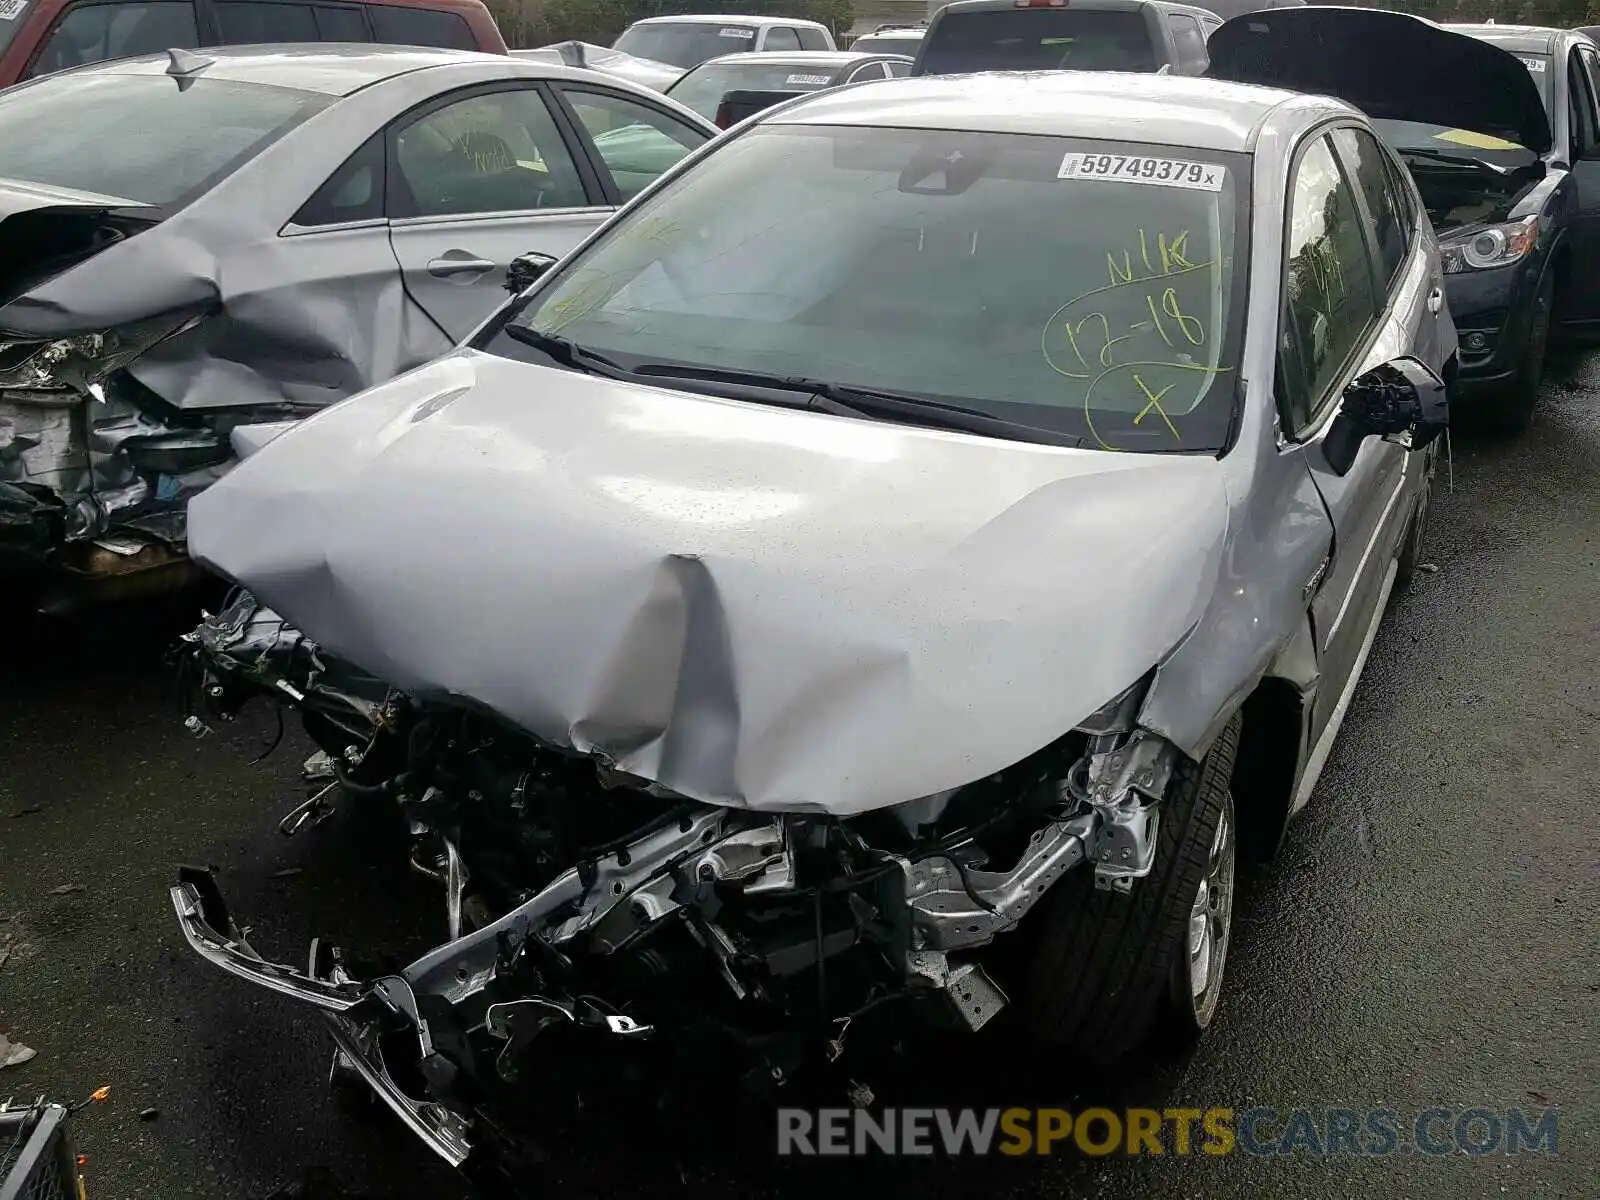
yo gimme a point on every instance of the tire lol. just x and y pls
(1511, 410)
(1112, 969)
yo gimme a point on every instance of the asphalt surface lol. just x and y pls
(1429, 935)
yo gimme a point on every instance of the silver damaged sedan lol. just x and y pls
(947, 518)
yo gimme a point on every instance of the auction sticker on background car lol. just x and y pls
(1164, 172)
(10, 10)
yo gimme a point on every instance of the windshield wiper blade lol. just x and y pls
(1447, 156)
(568, 353)
(846, 400)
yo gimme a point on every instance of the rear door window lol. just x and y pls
(812, 39)
(242, 24)
(780, 37)
(868, 71)
(421, 27)
(1039, 39)
(1369, 167)
(95, 32)
(340, 24)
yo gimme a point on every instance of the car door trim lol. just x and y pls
(293, 230)
(1382, 527)
(467, 219)
(1318, 758)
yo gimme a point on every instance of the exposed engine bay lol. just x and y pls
(581, 899)
(1458, 193)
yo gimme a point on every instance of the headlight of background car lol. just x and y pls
(1491, 246)
(68, 367)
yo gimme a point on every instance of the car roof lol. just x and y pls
(724, 19)
(328, 68)
(1532, 38)
(1166, 109)
(798, 58)
(331, 68)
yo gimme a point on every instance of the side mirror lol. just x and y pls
(525, 270)
(1401, 401)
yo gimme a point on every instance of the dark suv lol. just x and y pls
(38, 37)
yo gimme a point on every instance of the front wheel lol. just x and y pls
(1511, 411)
(1113, 969)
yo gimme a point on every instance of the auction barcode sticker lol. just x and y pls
(1137, 168)
(734, 31)
(10, 10)
(818, 80)
(1534, 64)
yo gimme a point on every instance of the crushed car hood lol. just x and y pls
(1389, 65)
(748, 605)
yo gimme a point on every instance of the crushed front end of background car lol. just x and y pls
(583, 901)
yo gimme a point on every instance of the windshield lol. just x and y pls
(1038, 39)
(703, 88)
(1087, 288)
(1437, 140)
(156, 140)
(686, 45)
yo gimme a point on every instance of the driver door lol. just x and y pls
(473, 181)
(1356, 294)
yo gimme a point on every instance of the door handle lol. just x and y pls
(446, 267)
(1436, 300)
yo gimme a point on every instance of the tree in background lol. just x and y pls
(526, 23)
(1562, 14)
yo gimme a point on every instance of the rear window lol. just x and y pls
(885, 45)
(1038, 39)
(703, 88)
(421, 27)
(686, 45)
(156, 140)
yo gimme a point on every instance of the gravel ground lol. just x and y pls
(1428, 936)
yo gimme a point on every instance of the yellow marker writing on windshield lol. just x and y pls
(1478, 141)
(1154, 402)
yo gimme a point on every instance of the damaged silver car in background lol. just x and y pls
(893, 574)
(194, 244)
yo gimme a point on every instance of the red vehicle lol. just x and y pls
(38, 37)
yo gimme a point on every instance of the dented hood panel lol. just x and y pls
(1390, 65)
(752, 606)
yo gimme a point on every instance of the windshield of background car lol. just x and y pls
(1039, 39)
(148, 138)
(686, 45)
(1089, 288)
(1433, 140)
(703, 88)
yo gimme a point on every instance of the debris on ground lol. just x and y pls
(318, 768)
(30, 810)
(66, 889)
(286, 873)
(1428, 568)
(148, 1114)
(14, 1054)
